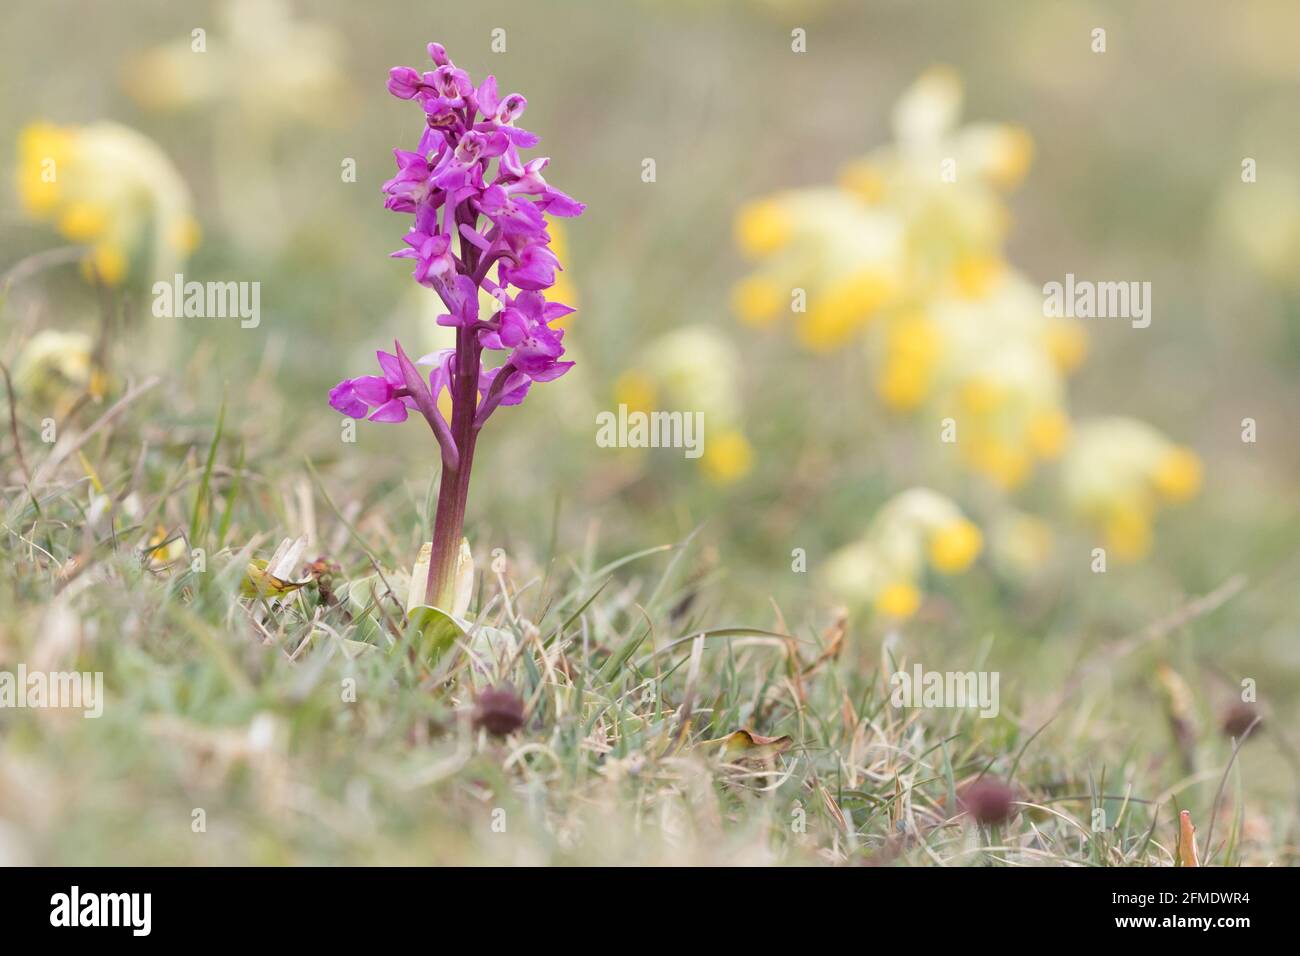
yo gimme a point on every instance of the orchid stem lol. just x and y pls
(453, 484)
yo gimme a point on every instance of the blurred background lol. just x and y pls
(796, 142)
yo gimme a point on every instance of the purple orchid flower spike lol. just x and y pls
(477, 207)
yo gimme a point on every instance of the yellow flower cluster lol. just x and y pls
(905, 253)
(916, 529)
(695, 368)
(54, 368)
(835, 261)
(111, 189)
(1116, 475)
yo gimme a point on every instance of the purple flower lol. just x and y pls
(479, 224)
(514, 217)
(535, 346)
(527, 179)
(438, 54)
(409, 188)
(533, 268)
(386, 394)
(434, 262)
(478, 208)
(462, 298)
(513, 390)
(500, 114)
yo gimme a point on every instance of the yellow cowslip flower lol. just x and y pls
(1000, 153)
(54, 368)
(1004, 463)
(903, 384)
(637, 390)
(258, 72)
(1008, 410)
(111, 189)
(836, 312)
(858, 575)
(922, 214)
(1020, 544)
(825, 256)
(1066, 341)
(763, 227)
(758, 300)
(944, 181)
(43, 149)
(262, 60)
(694, 369)
(984, 360)
(1116, 474)
(1047, 432)
(914, 529)
(927, 111)
(864, 179)
(993, 374)
(955, 546)
(1127, 530)
(977, 275)
(1177, 475)
(925, 129)
(728, 456)
(898, 599)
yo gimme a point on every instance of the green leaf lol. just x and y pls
(437, 631)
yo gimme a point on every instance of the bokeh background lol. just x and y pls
(1133, 172)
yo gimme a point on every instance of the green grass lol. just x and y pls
(219, 703)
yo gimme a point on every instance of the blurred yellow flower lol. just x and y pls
(1020, 544)
(864, 179)
(898, 599)
(954, 546)
(1047, 432)
(1117, 472)
(977, 275)
(763, 227)
(112, 189)
(264, 61)
(842, 307)
(883, 568)
(694, 368)
(54, 368)
(907, 254)
(1067, 343)
(1178, 475)
(825, 256)
(637, 390)
(1127, 530)
(728, 456)
(758, 300)
(260, 72)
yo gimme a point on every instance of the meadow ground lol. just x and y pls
(670, 660)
